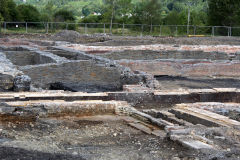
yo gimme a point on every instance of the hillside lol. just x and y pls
(94, 5)
(72, 5)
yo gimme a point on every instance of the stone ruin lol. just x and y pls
(180, 95)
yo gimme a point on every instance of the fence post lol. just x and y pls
(195, 30)
(229, 31)
(123, 29)
(213, 31)
(142, 31)
(5, 27)
(151, 29)
(26, 27)
(104, 28)
(0, 29)
(85, 28)
(47, 28)
(160, 30)
(66, 26)
(51, 26)
(176, 30)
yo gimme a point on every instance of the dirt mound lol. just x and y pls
(75, 37)
(67, 34)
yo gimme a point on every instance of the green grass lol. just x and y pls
(129, 30)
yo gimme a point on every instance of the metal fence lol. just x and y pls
(118, 29)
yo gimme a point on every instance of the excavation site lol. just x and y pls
(104, 97)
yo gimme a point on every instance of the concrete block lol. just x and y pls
(195, 144)
(141, 127)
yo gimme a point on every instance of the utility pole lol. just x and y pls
(189, 3)
(113, 10)
(189, 14)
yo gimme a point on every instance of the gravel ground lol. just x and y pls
(128, 41)
(101, 137)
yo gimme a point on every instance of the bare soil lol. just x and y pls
(129, 41)
(100, 137)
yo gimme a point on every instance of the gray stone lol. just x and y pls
(22, 83)
(195, 144)
(6, 82)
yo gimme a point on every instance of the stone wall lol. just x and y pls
(23, 58)
(186, 67)
(11, 78)
(70, 55)
(162, 54)
(76, 74)
(128, 76)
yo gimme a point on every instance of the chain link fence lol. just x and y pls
(118, 29)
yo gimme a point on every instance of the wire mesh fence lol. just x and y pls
(118, 29)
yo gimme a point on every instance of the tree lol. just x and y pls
(13, 12)
(173, 18)
(153, 11)
(86, 11)
(4, 10)
(124, 11)
(48, 12)
(91, 19)
(224, 12)
(9, 11)
(64, 15)
(109, 11)
(45, 17)
(116, 9)
(1, 18)
(28, 13)
(148, 12)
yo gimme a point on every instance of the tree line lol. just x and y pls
(152, 12)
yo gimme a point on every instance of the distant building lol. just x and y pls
(97, 14)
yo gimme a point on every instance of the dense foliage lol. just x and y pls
(63, 16)
(28, 13)
(171, 12)
(224, 12)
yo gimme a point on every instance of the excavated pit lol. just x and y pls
(85, 76)
(142, 101)
(24, 58)
(71, 71)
